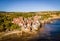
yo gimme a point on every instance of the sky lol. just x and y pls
(29, 5)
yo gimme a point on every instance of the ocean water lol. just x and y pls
(51, 32)
(54, 29)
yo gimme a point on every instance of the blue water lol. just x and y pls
(51, 32)
(53, 29)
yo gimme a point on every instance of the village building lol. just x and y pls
(35, 23)
(27, 24)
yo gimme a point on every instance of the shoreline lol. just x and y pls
(50, 20)
(24, 34)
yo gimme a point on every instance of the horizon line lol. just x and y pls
(29, 11)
